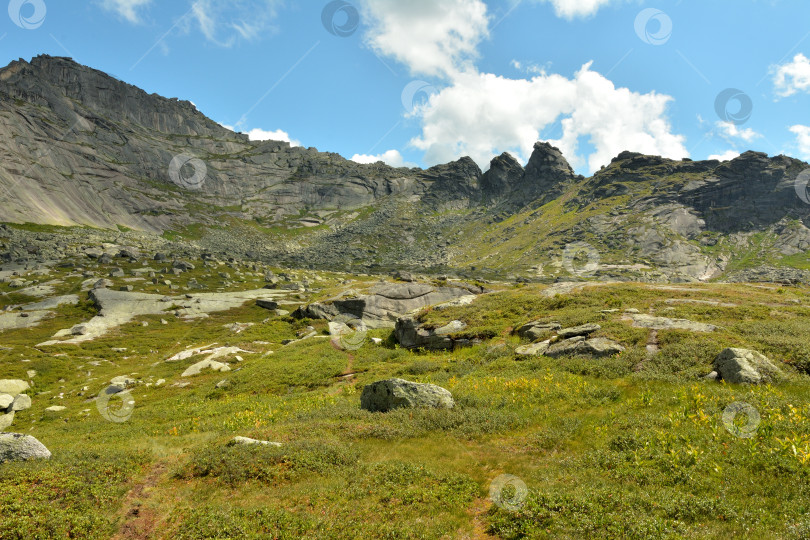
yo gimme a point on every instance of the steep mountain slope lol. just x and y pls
(81, 148)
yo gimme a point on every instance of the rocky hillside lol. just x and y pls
(84, 150)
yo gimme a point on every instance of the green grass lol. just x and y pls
(624, 447)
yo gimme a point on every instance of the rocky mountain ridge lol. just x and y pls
(83, 149)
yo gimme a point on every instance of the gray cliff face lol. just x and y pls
(82, 148)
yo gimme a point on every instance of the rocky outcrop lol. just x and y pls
(502, 179)
(412, 335)
(547, 175)
(642, 320)
(383, 396)
(386, 303)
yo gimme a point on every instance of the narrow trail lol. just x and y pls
(477, 513)
(138, 520)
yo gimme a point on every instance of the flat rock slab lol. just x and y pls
(19, 447)
(213, 353)
(11, 320)
(247, 441)
(53, 302)
(663, 323)
(383, 396)
(197, 368)
(120, 307)
(535, 349)
(42, 289)
(583, 330)
(717, 303)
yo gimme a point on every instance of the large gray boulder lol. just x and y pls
(19, 447)
(383, 396)
(13, 386)
(21, 402)
(743, 366)
(596, 347)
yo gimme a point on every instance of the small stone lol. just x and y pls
(56, 408)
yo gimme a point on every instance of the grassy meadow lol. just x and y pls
(632, 446)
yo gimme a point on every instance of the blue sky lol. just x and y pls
(423, 82)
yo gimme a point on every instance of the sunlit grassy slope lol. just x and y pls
(632, 446)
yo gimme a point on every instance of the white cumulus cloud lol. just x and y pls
(482, 115)
(391, 157)
(730, 130)
(802, 140)
(434, 38)
(258, 134)
(128, 9)
(728, 155)
(569, 9)
(792, 77)
(277, 135)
